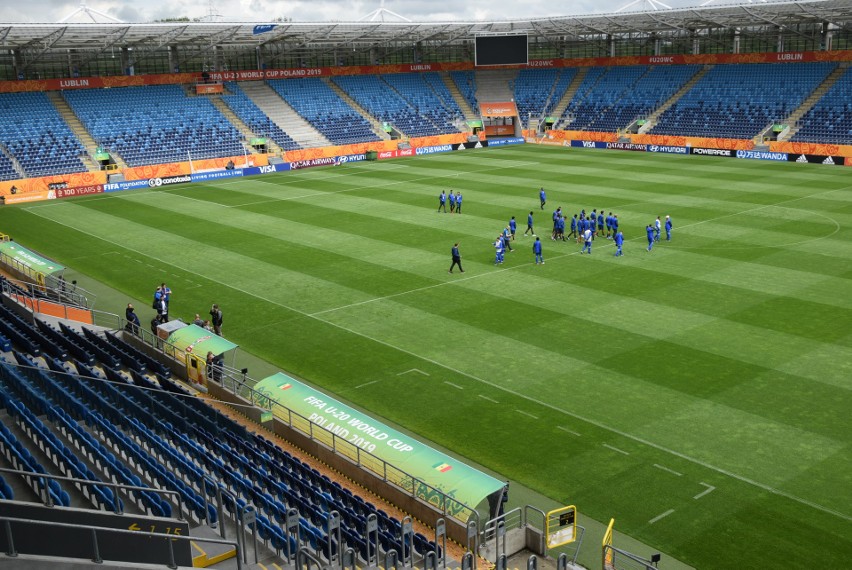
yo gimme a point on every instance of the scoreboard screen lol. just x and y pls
(502, 50)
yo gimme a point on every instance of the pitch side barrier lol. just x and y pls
(830, 160)
(213, 175)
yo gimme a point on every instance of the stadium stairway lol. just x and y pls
(495, 85)
(376, 124)
(14, 161)
(562, 104)
(469, 113)
(243, 128)
(653, 117)
(76, 127)
(280, 113)
(808, 103)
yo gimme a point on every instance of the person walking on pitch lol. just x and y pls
(619, 241)
(498, 250)
(529, 224)
(668, 228)
(542, 197)
(649, 231)
(452, 202)
(456, 258)
(442, 201)
(657, 228)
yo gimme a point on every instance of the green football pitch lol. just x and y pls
(699, 393)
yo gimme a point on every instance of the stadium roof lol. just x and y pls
(101, 36)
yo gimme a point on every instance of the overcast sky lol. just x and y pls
(48, 11)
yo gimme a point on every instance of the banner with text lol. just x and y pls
(450, 476)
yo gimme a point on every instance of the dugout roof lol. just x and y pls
(98, 37)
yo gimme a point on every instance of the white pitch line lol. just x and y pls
(516, 393)
(527, 414)
(453, 385)
(530, 263)
(414, 370)
(375, 186)
(568, 430)
(666, 469)
(608, 446)
(660, 517)
(487, 399)
(366, 384)
(709, 489)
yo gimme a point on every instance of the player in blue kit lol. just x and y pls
(614, 224)
(668, 228)
(649, 230)
(458, 202)
(498, 250)
(529, 224)
(619, 241)
(507, 237)
(452, 202)
(543, 197)
(539, 258)
(587, 241)
(573, 227)
(657, 228)
(513, 226)
(560, 228)
(442, 201)
(601, 222)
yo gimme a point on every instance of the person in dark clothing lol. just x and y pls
(132, 325)
(216, 319)
(163, 310)
(214, 367)
(456, 258)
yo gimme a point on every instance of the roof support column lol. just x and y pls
(173, 58)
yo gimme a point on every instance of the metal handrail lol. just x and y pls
(115, 486)
(172, 538)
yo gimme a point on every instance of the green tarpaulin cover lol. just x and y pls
(448, 475)
(30, 259)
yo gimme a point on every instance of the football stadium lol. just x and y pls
(566, 292)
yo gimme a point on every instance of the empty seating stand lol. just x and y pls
(830, 119)
(739, 101)
(155, 124)
(386, 100)
(325, 110)
(466, 83)
(34, 133)
(257, 120)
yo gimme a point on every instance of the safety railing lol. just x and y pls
(239, 384)
(98, 531)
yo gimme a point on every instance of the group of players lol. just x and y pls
(583, 227)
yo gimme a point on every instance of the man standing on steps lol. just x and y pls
(456, 258)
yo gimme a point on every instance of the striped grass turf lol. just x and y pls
(709, 378)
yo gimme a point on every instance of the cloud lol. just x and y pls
(310, 11)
